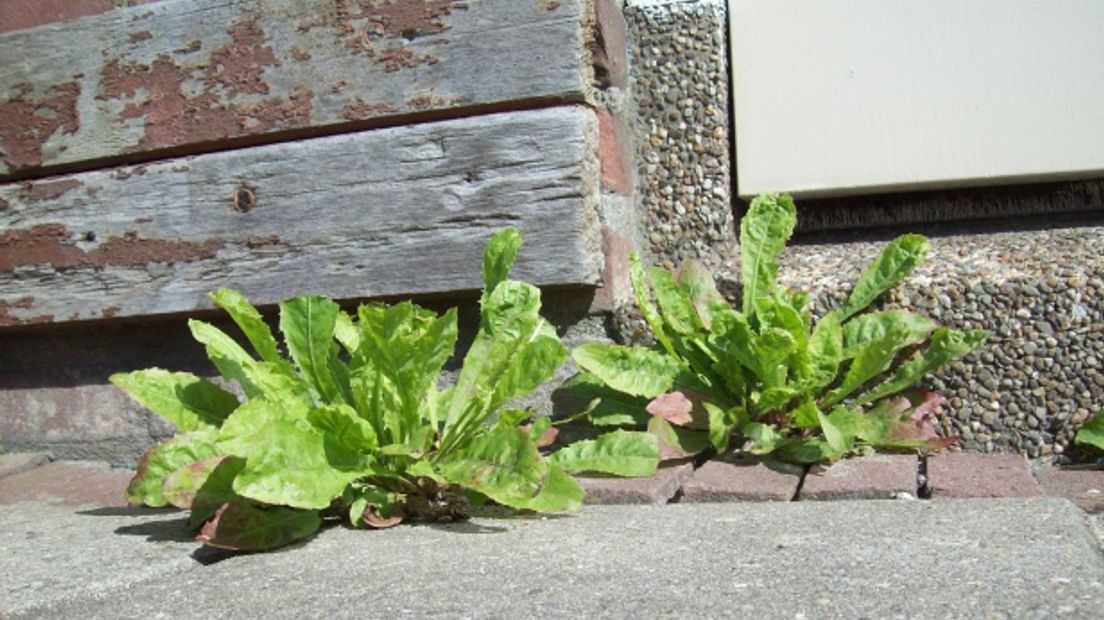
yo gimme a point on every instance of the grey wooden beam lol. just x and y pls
(395, 211)
(178, 77)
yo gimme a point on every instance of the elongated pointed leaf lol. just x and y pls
(837, 440)
(288, 461)
(763, 438)
(604, 405)
(217, 489)
(806, 451)
(226, 354)
(946, 345)
(346, 332)
(896, 261)
(187, 401)
(772, 350)
(642, 291)
(677, 307)
(242, 526)
(722, 423)
(250, 322)
(559, 493)
(636, 371)
(874, 326)
(1092, 433)
(764, 230)
(676, 442)
(164, 459)
(696, 281)
(181, 486)
(873, 358)
(308, 325)
(819, 364)
(620, 453)
(502, 464)
(344, 434)
(498, 257)
(277, 382)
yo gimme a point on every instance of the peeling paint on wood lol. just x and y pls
(175, 75)
(399, 211)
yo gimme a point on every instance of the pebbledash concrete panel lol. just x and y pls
(396, 211)
(140, 82)
(878, 476)
(658, 489)
(965, 474)
(731, 479)
(876, 96)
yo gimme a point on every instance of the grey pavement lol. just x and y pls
(996, 558)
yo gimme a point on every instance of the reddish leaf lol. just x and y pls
(674, 407)
(675, 442)
(242, 526)
(181, 486)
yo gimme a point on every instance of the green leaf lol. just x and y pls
(643, 293)
(242, 526)
(896, 261)
(875, 326)
(636, 371)
(308, 325)
(819, 364)
(772, 349)
(162, 460)
(698, 285)
(559, 493)
(498, 257)
(1092, 433)
(772, 399)
(764, 438)
(226, 354)
(946, 345)
(368, 498)
(346, 332)
(604, 406)
(764, 230)
(620, 453)
(180, 487)
(722, 422)
(805, 451)
(839, 442)
(288, 461)
(217, 489)
(345, 434)
(249, 321)
(807, 415)
(502, 464)
(187, 401)
(277, 382)
(678, 311)
(676, 442)
(875, 356)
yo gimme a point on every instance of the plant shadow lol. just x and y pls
(166, 530)
(467, 527)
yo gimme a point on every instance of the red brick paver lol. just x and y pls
(1084, 488)
(736, 480)
(71, 483)
(11, 464)
(879, 476)
(964, 474)
(658, 489)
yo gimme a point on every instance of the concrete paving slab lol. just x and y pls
(68, 482)
(50, 551)
(1083, 487)
(11, 464)
(658, 489)
(1009, 558)
(968, 474)
(878, 476)
(730, 479)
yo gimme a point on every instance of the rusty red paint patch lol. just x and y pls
(52, 244)
(48, 190)
(110, 311)
(360, 109)
(300, 54)
(26, 122)
(258, 241)
(138, 37)
(3, 204)
(172, 117)
(369, 26)
(7, 319)
(193, 46)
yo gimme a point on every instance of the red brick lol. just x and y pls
(11, 464)
(614, 153)
(616, 288)
(880, 476)
(611, 55)
(742, 480)
(658, 489)
(71, 483)
(1082, 487)
(966, 474)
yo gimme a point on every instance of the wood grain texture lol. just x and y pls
(395, 211)
(152, 80)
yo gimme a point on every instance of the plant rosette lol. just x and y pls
(765, 373)
(352, 426)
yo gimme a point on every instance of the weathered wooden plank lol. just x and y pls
(153, 79)
(395, 211)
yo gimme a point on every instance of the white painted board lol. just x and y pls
(838, 97)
